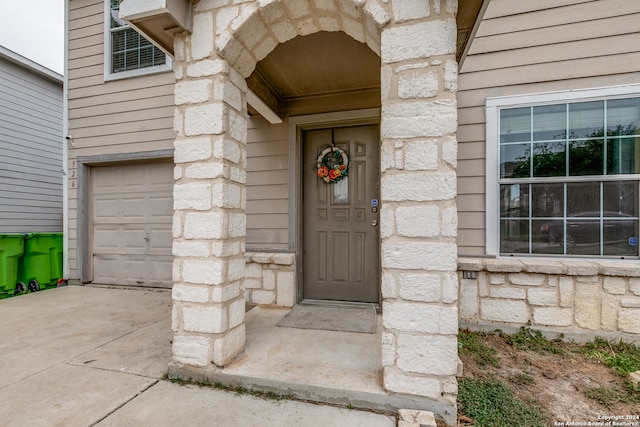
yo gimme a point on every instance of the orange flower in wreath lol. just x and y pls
(332, 174)
(323, 171)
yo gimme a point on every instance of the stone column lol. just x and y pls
(209, 223)
(418, 211)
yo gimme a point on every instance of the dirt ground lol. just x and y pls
(559, 382)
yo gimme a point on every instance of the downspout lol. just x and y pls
(65, 152)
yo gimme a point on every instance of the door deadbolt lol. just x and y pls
(374, 222)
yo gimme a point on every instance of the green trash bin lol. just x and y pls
(11, 249)
(41, 264)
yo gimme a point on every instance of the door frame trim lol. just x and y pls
(297, 125)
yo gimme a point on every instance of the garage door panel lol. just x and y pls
(132, 214)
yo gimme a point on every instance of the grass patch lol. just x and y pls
(469, 344)
(490, 403)
(531, 340)
(609, 396)
(522, 378)
(621, 356)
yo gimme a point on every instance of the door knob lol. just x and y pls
(374, 222)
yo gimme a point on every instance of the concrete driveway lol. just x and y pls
(85, 356)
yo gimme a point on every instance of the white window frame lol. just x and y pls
(108, 56)
(493, 106)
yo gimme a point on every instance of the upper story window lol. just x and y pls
(127, 53)
(568, 175)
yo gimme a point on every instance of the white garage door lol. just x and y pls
(131, 211)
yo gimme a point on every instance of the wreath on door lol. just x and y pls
(332, 165)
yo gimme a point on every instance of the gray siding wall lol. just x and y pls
(525, 47)
(31, 151)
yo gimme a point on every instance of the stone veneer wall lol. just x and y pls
(270, 279)
(577, 298)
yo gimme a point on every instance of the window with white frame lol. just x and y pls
(568, 174)
(126, 51)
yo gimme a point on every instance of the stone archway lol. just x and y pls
(418, 180)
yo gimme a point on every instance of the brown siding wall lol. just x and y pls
(524, 47)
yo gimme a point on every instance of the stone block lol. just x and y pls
(449, 288)
(388, 349)
(609, 318)
(449, 222)
(210, 119)
(417, 418)
(497, 279)
(588, 305)
(225, 248)
(566, 287)
(544, 266)
(635, 377)
(203, 271)
(418, 187)
(420, 40)
(615, 285)
(634, 285)
(625, 269)
(630, 302)
(527, 279)
(468, 300)
(263, 297)
(236, 313)
(387, 222)
(225, 292)
(405, 10)
(451, 76)
(270, 10)
(193, 195)
(420, 287)
(543, 297)
(450, 150)
(269, 280)
(190, 249)
(283, 31)
(261, 257)
(419, 118)
(419, 317)
(285, 288)
(470, 264)
(379, 15)
(418, 221)
(237, 225)
(412, 255)
(209, 170)
(191, 350)
(328, 23)
(205, 225)
(205, 319)
(252, 283)
(629, 320)
(419, 85)
(508, 311)
(395, 380)
(253, 270)
(507, 292)
(192, 91)
(581, 268)
(203, 36)
(228, 346)
(284, 259)
(189, 293)
(209, 67)
(429, 355)
(235, 269)
(421, 155)
(225, 195)
(503, 265)
(191, 150)
(388, 286)
(298, 8)
(552, 316)
(324, 5)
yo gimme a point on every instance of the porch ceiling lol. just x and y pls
(333, 69)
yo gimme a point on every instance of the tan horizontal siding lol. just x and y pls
(525, 47)
(267, 185)
(499, 8)
(588, 11)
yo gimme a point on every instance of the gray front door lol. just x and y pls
(341, 249)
